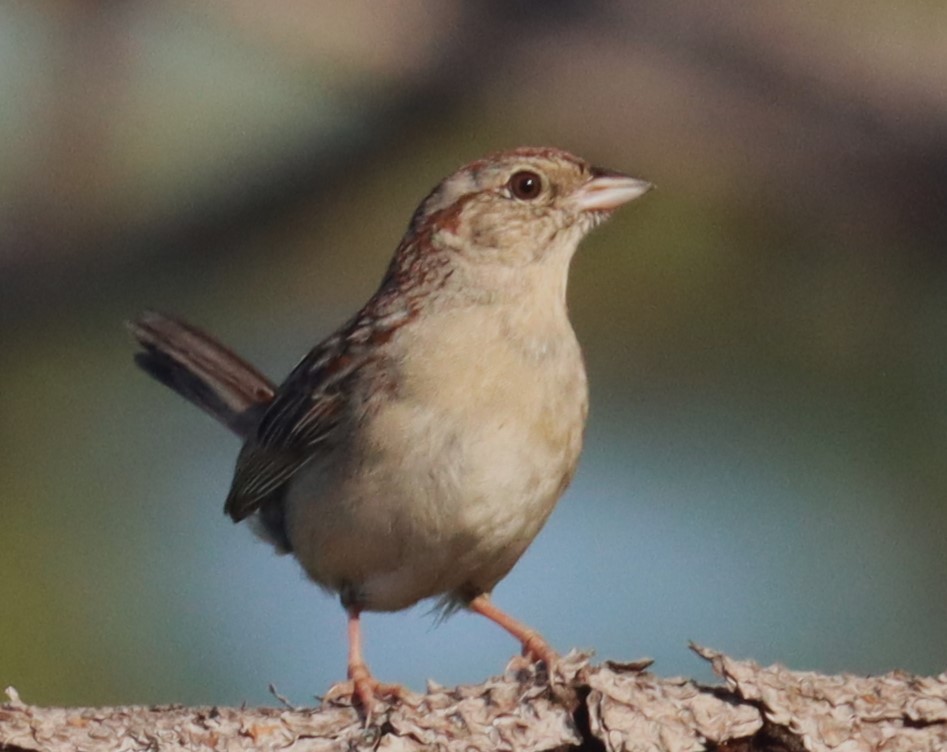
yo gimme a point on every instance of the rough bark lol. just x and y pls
(613, 706)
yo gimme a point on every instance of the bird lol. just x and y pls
(416, 452)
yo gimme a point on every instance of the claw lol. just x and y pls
(366, 688)
(537, 649)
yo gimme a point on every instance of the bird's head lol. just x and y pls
(519, 206)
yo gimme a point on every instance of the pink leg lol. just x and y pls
(534, 645)
(365, 687)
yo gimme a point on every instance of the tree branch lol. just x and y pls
(614, 706)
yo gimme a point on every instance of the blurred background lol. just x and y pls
(766, 334)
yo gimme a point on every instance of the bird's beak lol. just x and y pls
(607, 190)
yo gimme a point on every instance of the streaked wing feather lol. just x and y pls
(260, 473)
(301, 417)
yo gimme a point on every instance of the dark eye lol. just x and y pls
(525, 185)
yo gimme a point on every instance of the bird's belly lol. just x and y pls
(441, 499)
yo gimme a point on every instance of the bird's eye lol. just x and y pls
(525, 185)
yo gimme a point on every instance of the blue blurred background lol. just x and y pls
(766, 334)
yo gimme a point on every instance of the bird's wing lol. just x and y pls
(297, 427)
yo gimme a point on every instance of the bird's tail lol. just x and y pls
(201, 370)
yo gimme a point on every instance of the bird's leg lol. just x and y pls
(365, 687)
(534, 646)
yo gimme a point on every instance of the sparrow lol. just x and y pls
(417, 451)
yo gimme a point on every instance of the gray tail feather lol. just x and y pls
(201, 370)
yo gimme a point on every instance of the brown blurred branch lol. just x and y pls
(614, 706)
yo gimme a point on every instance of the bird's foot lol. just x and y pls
(368, 689)
(536, 660)
(363, 689)
(537, 649)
